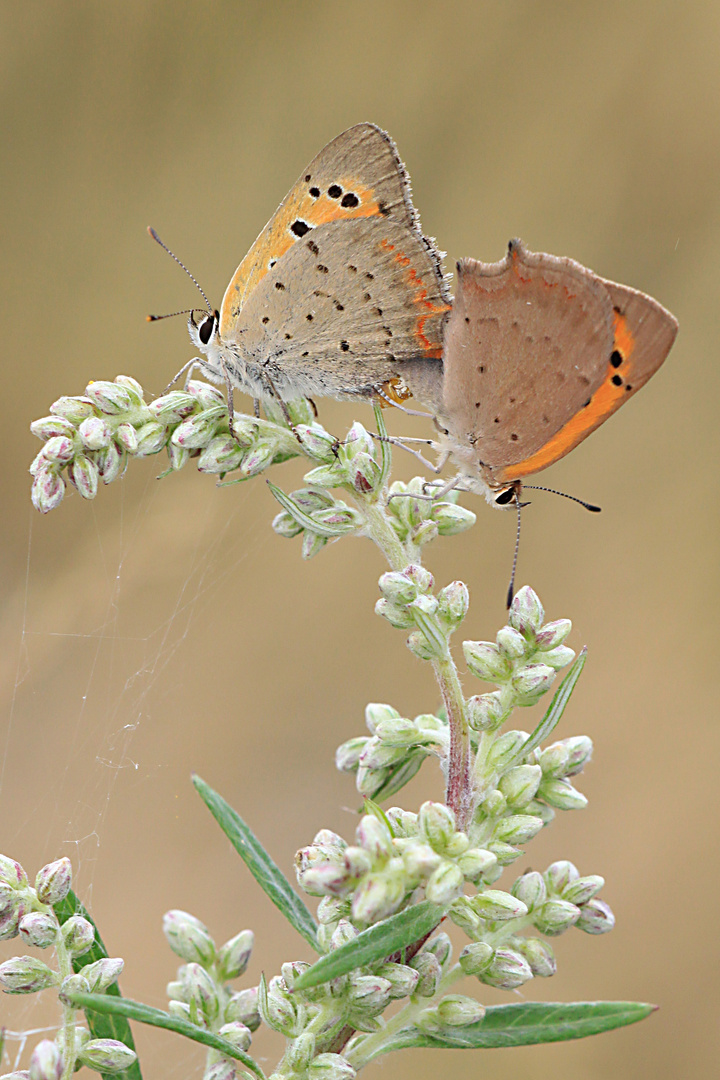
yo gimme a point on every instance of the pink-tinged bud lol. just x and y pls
(325, 878)
(457, 1010)
(188, 937)
(399, 617)
(559, 875)
(103, 973)
(330, 1067)
(507, 970)
(236, 1034)
(126, 437)
(430, 972)
(38, 929)
(561, 795)
(437, 824)
(11, 918)
(451, 519)
(177, 456)
(221, 1070)
(398, 588)
(173, 407)
(235, 954)
(347, 756)
(95, 433)
(46, 1062)
(8, 898)
(196, 432)
(78, 934)
(132, 386)
(26, 975)
(552, 634)
(420, 861)
(208, 396)
(530, 889)
(485, 712)
(476, 862)
(526, 612)
(538, 954)
(243, 1007)
(49, 426)
(58, 450)
(317, 443)
(373, 835)
(555, 917)
(453, 603)
(83, 473)
(259, 458)
(485, 661)
(54, 881)
(496, 905)
(71, 985)
(559, 657)
(357, 862)
(377, 898)
(402, 979)
(420, 577)
(583, 889)
(424, 533)
(107, 1055)
(108, 397)
(47, 491)
(476, 957)
(202, 991)
(364, 473)
(368, 994)
(221, 455)
(533, 680)
(357, 441)
(595, 917)
(73, 409)
(445, 884)
(110, 462)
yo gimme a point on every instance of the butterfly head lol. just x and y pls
(204, 330)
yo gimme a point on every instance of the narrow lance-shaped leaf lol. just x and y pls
(268, 875)
(557, 707)
(145, 1014)
(102, 1025)
(526, 1024)
(303, 519)
(385, 452)
(375, 943)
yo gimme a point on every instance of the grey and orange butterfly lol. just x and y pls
(538, 352)
(339, 290)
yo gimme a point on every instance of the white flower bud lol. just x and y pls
(404, 822)
(58, 450)
(173, 407)
(428, 967)
(452, 519)
(243, 1006)
(506, 853)
(419, 645)
(48, 490)
(398, 617)
(236, 1034)
(511, 643)
(504, 749)
(224, 1069)
(74, 409)
(507, 970)
(197, 431)
(559, 657)
(330, 1067)
(26, 975)
(357, 441)
(110, 462)
(318, 443)
(188, 937)
(457, 1010)
(441, 947)
(103, 973)
(301, 1052)
(402, 978)
(132, 386)
(234, 955)
(532, 681)
(485, 712)
(71, 985)
(583, 889)
(562, 795)
(202, 991)
(555, 917)
(374, 837)
(476, 862)
(485, 661)
(368, 994)
(462, 915)
(496, 905)
(539, 956)
(312, 544)
(209, 397)
(596, 917)
(78, 934)
(221, 455)
(518, 828)
(45, 1062)
(49, 426)
(357, 861)
(376, 898)
(526, 612)
(476, 957)
(151, 438)
(437, 824)
(445, 884)
(38, 929)
(559, 875)
(530, 889)
(378, 755)
(107, 1055)
(178, 456)
(95, 433)
(424, 533)
(520, 785)
(54, 881)
(420, 860)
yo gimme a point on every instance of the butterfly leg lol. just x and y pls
(283, 406)
(189, 367)
(396, 405)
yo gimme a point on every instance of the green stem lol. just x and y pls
(69, 1014)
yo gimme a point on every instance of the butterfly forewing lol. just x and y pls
(357, 175)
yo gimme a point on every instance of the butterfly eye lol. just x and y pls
(205, 329)
(505, 497)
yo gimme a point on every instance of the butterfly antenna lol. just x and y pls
(170, 315)
(172, 255)
(511, 586)
(573, 498)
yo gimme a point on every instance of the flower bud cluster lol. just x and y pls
(522, 661)
(352, 464)
(89, 438)
(417, 519)
(199, 993)
(396, 748)
(28, 912)
(392, 857)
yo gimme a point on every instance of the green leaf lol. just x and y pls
(135, 1010)
(371, 807)
(527, 1024)
(552, 717)
(385, 938)
(269, 876)
(385, 451)
(303, 519)
(102, 1025)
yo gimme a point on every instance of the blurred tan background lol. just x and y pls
(164, 628)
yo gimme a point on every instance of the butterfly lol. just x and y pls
(538, 352)
(339, 290)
